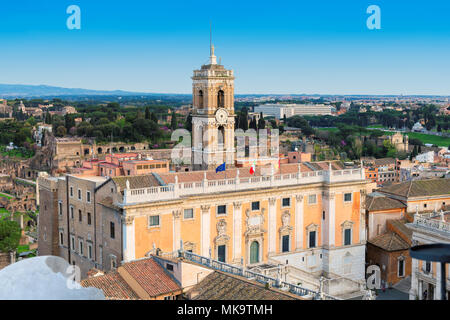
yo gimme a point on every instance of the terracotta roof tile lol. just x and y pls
(136, 182)
(113, 286)
(390, 242)
(376, 203)
(151, 277)
(222, 286)
(418, 188)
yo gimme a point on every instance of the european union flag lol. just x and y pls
(221, 167)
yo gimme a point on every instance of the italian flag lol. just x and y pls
(253, 167)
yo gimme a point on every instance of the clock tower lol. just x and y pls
(213, 115)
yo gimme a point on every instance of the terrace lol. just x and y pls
(177, 189)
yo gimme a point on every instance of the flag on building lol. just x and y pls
(221, 167)
(253, 168)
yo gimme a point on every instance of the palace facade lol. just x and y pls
(309, 216)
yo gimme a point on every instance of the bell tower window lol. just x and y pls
(220, 99)
(200, 99)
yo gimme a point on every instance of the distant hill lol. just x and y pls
(20, 90)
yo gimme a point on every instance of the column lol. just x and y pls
(205, 230)
(272, 225)
(299, 221)
(176, 237)
(128, 238)
(237, 232)
(438, 282)
(362, 221)
(415, 290)
(328, 232)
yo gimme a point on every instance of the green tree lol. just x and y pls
(147, 113)
(173, 121)
(188, 124)
(61, 131)
(9, 235)
(261, 122)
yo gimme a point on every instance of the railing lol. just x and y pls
(240, 271)
(176, 190)
(433, 221)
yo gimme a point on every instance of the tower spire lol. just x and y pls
(212, 57)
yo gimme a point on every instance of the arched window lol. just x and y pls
(200, 99)
(254, 252)
(220, 99)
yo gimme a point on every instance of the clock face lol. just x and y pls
(221, 116)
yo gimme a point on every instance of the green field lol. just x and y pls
(429, 138)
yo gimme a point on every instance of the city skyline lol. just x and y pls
(289, 48)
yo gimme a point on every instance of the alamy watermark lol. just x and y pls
(74, 20)
(197, 151)
(374, 20)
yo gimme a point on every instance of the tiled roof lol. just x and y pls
(376, 203)
(222, 286)
(399, 227)
(390, 242)
(384, 162)
(419, 188)
(136, 182)
(151, 277)
(113, 286)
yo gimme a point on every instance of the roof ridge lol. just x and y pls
(409, 189)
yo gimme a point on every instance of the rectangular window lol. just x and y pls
(79, 194)
(188, 213)
(255, 205)
(427, 266)
(72, 243)
(89, 251)
(221, 250)
(348, 197)
(88, 196)
(81, 247)
(61, 238)
(153, 221)
(312, 239)
(285, 243)
(80, 216)
(312, 199)
(286, 202)
(71, 191)
(112, 232)
(71, 212)
(169, 267)
(347, 237)
(113, 262)
(222, 209)
(401, 265)
(60, 210)
(89, 218)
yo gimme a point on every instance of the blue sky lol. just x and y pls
(297, 46)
